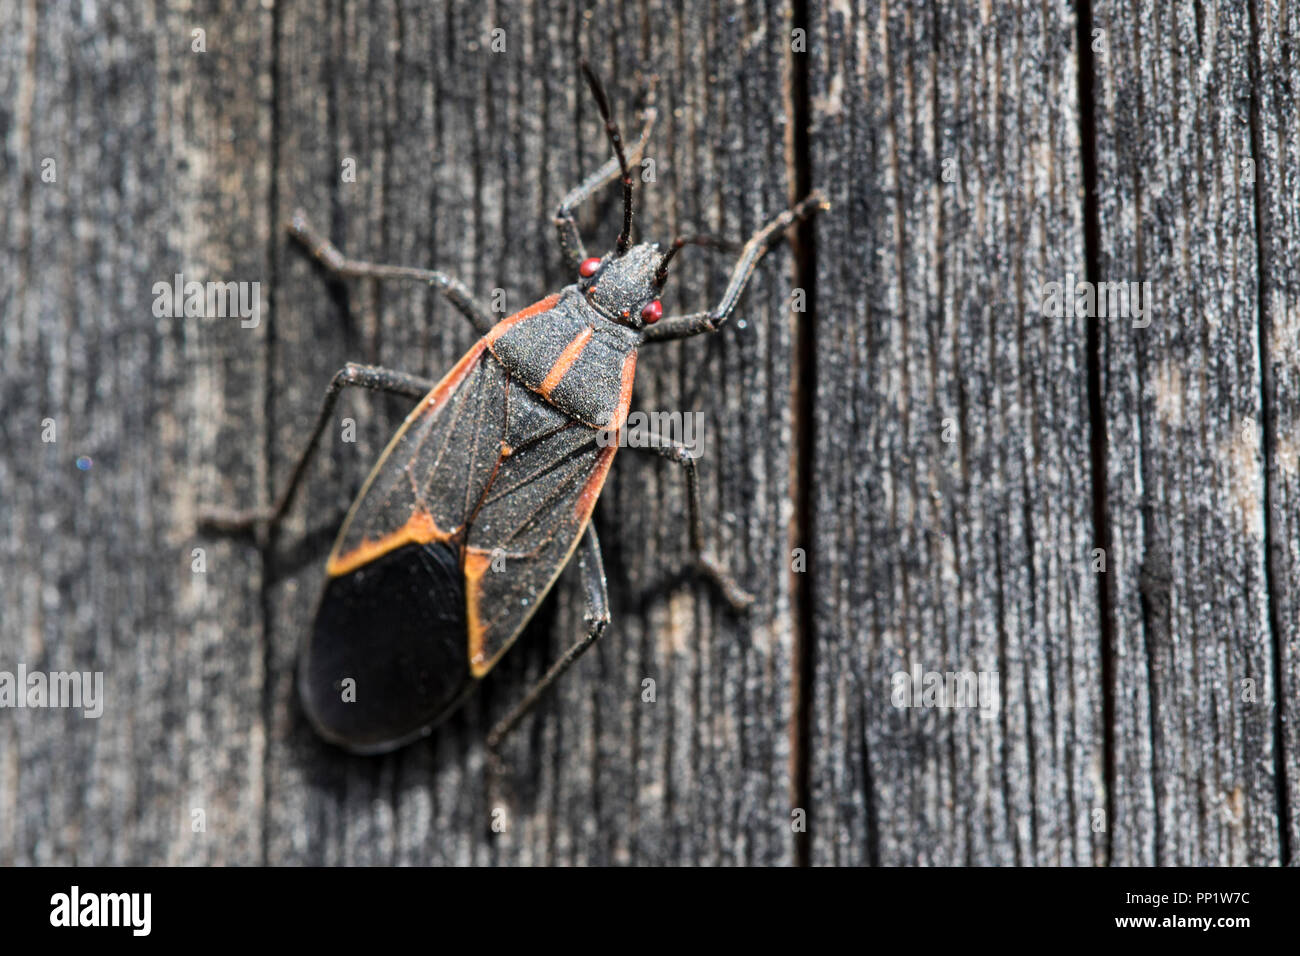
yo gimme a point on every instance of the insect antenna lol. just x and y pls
(611, 130)
(713, 242)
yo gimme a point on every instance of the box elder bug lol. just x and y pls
(504, 456)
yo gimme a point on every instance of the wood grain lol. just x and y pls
(1194, 763)
(954, 522)
(947, 455)
(162, 165)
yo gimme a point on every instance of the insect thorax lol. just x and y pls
(572, 356)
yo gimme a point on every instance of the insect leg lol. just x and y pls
(680, 327)
(736, 596)
(328, 255)
(566, 226)
(597, 616)
(352, 374)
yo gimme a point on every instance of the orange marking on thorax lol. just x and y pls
(420, 528)
(625, 393)
(565, 361)
(500, 329)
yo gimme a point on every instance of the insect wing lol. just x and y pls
(529, 521)
(460, 530)
(386, 656)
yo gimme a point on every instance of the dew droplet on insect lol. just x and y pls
(84, 463)
(742, 324)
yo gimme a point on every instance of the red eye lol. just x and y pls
(589, 268)
(652, 313)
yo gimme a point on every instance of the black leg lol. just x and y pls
(570, 239)
(328, 255)
(360, 376)
(679, 327)
(736, 596)
(597, 616)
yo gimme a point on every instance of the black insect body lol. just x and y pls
(497, 467)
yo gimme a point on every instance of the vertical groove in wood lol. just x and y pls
(1275, 154)
(1101, 538)
(804, 445)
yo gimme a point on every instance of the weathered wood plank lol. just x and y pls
(1194, 761)
(461, 155)
(951, 482)
(162, 165)
(965, 551)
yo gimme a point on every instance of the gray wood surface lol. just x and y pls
(1185, 414)
(954, 506)
(948, 456)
